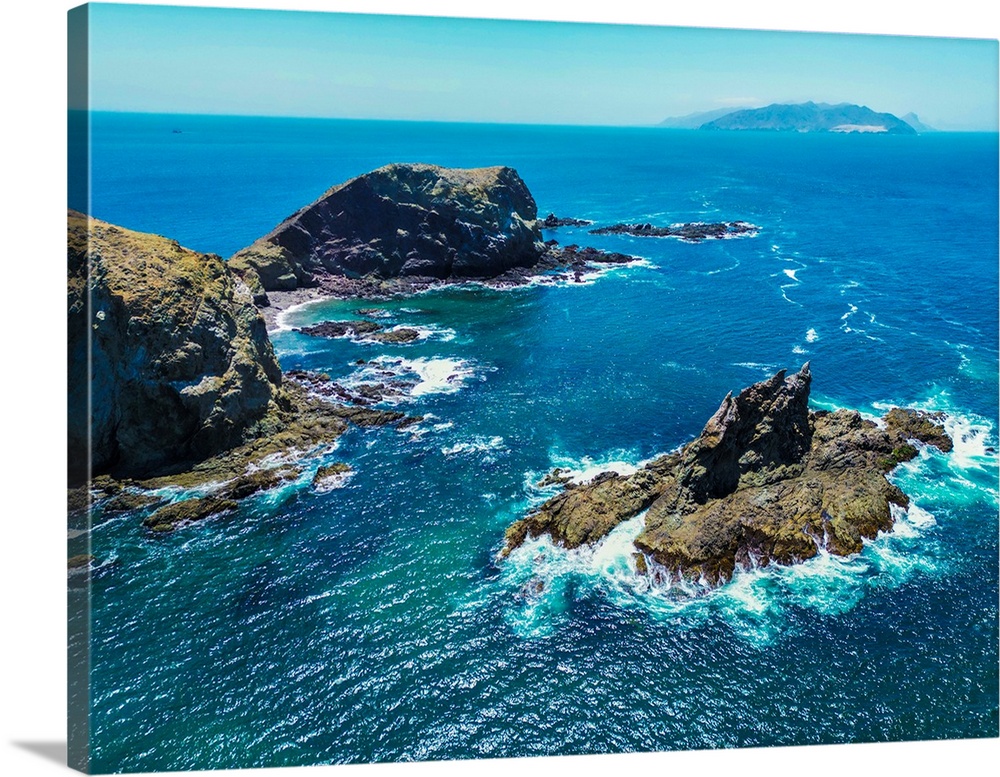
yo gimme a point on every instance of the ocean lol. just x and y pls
(375, 621)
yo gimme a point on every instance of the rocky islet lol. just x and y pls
(766, 481)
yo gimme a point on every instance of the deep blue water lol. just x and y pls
(375, 622)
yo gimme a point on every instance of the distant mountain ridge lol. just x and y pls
(695, 120)
(919, 126)
(812, 117)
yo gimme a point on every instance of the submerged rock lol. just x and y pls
(399, 336)
(80, 562)
(177, 514)
(766, 481)
(403, 220)
(127, 501)
(258, 480)
(180, 366)
(331, 476)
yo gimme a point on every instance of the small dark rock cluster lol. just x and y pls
(552, 221)
(364, 330)
(695, 231)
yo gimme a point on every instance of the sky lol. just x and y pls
(165, 59)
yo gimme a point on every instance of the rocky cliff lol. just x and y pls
(181, 366)
(402, 220)
(766, 481)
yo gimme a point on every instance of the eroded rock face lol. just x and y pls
(181, 365)
(403, 220)
(766, 481)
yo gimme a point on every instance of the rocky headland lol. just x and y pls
(404, 228)
(170, 352)
(403, 221)
(181, 366)
(766, 481)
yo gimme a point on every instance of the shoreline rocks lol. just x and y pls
(766, 481)
(557, 263)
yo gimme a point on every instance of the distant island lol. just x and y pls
(802, 117)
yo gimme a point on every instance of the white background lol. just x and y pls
(32, 309)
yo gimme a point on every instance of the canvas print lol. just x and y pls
(459, 388)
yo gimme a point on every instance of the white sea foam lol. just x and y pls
(736, 264)
(755, 603)
(849, 313)
(281, 320)
(786, 297)
(439, 376)
(798, 349)
(811, 336)
(568, 278)
(584, 469)
(770, 369)
(475, 445)
(332, 482)
(791, 274)
(413, 378)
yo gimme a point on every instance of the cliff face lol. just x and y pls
(403, 220)
(766, 481)
(181, 365)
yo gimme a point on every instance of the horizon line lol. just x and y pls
(658, 125)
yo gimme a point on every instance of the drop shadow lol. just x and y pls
(54, 751)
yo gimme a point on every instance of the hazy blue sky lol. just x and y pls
(199, 60)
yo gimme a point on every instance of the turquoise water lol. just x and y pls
(375, 622)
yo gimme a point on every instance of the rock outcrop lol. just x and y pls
(180, 367)
(402, 220)
(766, 481)
(696, 231)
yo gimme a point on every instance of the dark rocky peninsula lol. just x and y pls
(403, 221)
(766, 481)
(695, 231)
(405, 228)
